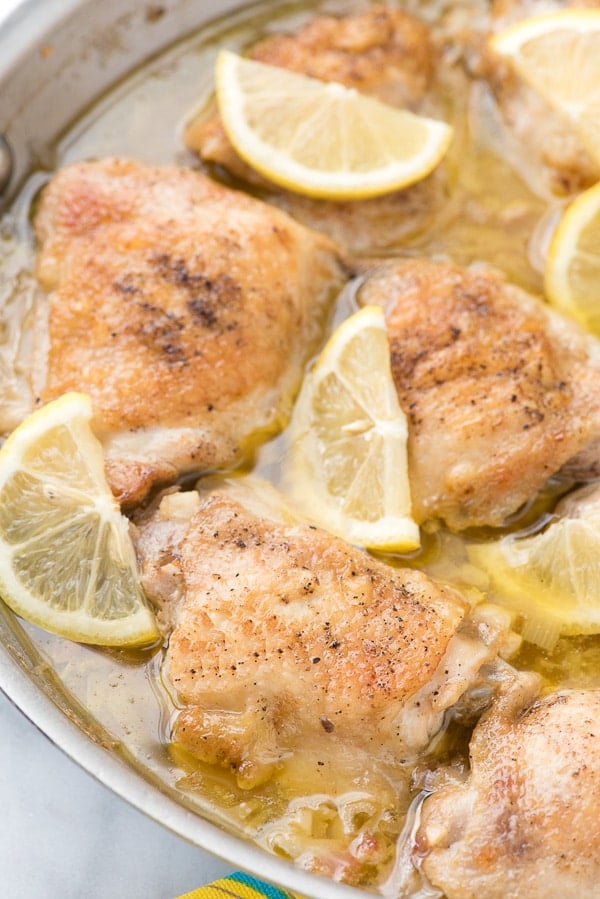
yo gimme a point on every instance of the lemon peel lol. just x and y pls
(322, 139)
(67, 562)
(347, 468)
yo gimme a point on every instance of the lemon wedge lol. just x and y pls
(322, 139)
(348, 469)
(572, 270)
(552, 578)
(67, 562)
(558, 54)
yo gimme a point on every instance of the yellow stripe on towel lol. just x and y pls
(238, 886)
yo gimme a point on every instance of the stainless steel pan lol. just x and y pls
(56, 56)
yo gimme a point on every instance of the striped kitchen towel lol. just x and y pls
(239, 886)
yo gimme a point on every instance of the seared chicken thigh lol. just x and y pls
(283, 634)
(500, 391)
(525, 825)
(381, 51)
(184, 309)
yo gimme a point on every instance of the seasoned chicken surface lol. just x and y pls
(384, 52)
(184, 309)
(500, 392)
(525, 825)
(553, 154)
(381, 51)
(283, 634)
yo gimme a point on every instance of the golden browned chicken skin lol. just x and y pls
(184, 309)
(500, 392)
(381, 51)
(525, 825)
(283, 634)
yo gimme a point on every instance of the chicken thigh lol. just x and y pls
(525, 825)
(383, 52)
(283, 634)
(184, 309)
(500, 391)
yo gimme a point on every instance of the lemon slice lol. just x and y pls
(551, 578)
(322, 140)
(559, 55)
(572, 271)
(348, 469)
(67, 562)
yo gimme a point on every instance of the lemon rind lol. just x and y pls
(395, 530)
(137, 628)
(289, 174)
(514, 36)
(563, 249)
(538, 604)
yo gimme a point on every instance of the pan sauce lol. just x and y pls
(490, 215)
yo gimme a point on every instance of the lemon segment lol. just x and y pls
(347, 467)
(558, 54)
(572, 270)
(67, 562)
(322, 139)
(551, 578)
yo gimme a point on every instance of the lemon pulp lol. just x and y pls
(67, 561)
(322, 139)
(348, 467)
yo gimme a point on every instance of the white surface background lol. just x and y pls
(7, 6)
(64, 836)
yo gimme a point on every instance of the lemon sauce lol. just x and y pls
(493, 211)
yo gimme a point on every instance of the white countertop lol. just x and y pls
(64, 836)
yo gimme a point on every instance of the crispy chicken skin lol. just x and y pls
(525, 825)
(282, 633)
(500, 392)
(383, 52)
(186, 310)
